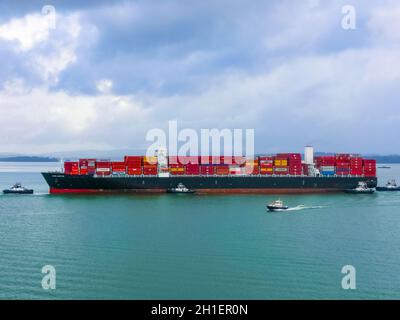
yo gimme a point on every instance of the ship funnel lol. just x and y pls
(309, 155)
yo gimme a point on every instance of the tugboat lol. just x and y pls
(277, 205)
(180, 189)
(390, 186)
(18, 189)
(361, 188)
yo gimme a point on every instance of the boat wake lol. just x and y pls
(302, 207)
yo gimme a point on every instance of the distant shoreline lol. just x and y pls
(28, 159)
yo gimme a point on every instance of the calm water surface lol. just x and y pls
(196, 246)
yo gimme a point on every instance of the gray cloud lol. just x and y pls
(285, 68)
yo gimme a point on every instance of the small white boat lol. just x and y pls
(17, 189)
(180, 189)
(277, 205)
(390, 186)
(361, 188)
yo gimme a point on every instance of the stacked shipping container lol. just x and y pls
(369, 168)
(71, 167)
(280, 164)
(134, 165)
(326, 165)
(266, 165)
(103, 168)
(356, 166)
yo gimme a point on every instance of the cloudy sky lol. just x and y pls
(103, 73)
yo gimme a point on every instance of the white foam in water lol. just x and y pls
(302, 207)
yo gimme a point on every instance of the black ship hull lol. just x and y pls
(27, 191)
(63, 183)
(387, 189)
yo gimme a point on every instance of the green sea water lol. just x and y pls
(196, 246)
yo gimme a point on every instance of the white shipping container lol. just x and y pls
(103, 169)
(234, 168)
(327, 168)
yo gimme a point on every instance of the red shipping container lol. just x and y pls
(370, 163)
(83, 163)
(70, 165)
(343, 156)
(288, 155)
(295, 162)
(135, 162)
(135, 171)
(252, 169)
(266, 165)
(193, 173)
(118, 166)
(325, 161)
(281, 158)
(176, 166)
(103, 164)
(103, 173)
(177, 173)
(192, 166)
(149, 172)
(265, 158)
(266, 172)
(134, 167)
(222, 169)
(207, 170)
(192, 169)
(150, 167)
(183, 159)
(133, 159)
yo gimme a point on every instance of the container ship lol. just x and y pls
(279, 173)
